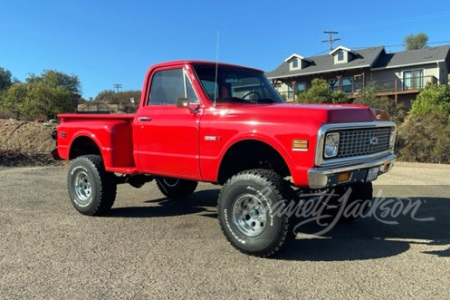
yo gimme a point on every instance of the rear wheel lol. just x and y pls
(92, 190)
(251, 212)
(176, 188)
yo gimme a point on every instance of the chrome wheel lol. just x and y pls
(249, 215)
(83, 188)
(92, 190)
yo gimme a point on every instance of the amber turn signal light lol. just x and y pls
(299, 145)
(344, 176)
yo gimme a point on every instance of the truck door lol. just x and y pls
(167, 135)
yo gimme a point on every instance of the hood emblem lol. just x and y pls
(373, 141)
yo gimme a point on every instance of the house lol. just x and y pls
(398, 75)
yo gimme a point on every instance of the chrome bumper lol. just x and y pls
(319, 178)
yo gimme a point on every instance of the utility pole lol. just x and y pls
(117, 86)
(331, 40)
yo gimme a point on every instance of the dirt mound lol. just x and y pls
(26, 143)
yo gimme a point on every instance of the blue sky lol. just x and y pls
(108, 42)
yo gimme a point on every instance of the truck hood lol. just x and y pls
(315, 113)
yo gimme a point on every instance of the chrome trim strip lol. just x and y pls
(320, 161)
(318, 177)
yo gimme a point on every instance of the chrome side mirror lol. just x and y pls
(185, 102)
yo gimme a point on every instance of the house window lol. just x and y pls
(333, 84)
(290, 91)
(412, 79)
(301, 87)
(294, 63)
(340, 55)
(347, 85)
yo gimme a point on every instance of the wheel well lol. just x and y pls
(82, 146)
(251, 154)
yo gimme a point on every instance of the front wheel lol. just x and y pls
(175, 188)
(252, 213)
(92, 190)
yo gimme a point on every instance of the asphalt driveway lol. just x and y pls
(150, 247)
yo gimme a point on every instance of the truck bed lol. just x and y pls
(112, 135)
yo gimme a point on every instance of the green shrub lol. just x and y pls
(320, 92)
(432, 99)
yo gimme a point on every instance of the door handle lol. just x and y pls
(145, 119)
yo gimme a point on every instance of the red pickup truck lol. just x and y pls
(225, 124)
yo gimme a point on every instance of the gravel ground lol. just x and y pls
(149, 247)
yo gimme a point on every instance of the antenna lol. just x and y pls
(331, 40)
(216, 87)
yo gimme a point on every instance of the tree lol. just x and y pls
(44, 99)
(47, 95)
(5, 79)
(320, 92)
(433, 98)
(13, 99)
(60, 79)
(415, 41)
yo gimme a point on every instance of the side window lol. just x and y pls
(210, 88)
(168, 85)
(189, 90)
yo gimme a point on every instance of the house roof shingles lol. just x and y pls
(325, 63)
(413, 57)
(375, 58)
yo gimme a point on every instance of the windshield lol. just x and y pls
(236, 85)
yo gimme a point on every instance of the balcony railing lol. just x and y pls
(405, 85)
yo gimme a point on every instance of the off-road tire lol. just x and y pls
(92, 190)
(251, 214)
(176, 188)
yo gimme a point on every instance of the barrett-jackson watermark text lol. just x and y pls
(327, 209)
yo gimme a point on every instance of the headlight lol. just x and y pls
(331, 145)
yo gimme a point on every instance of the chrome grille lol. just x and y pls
(360, 142)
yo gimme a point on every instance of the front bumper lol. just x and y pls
(319, 178)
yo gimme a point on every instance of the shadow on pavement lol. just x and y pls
(340, 250)
(370, 237)
(198, 202)
(365, 238)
